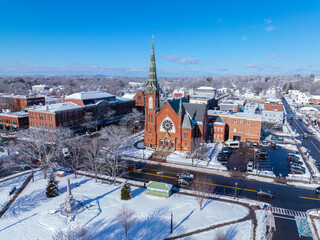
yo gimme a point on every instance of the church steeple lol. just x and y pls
(152, 69)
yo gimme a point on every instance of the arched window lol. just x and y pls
(150, 102)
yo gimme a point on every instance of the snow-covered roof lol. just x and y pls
(57, 107)
(15, 114)
(206, 88)
(129, 95)
(89, 95)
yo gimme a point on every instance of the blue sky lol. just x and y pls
(192, 38)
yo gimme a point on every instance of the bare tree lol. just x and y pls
(76, 151)
(92, 154)
(113, 137)
(38, 144)
(201, 186)
(126, 218)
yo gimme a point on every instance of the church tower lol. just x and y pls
(152, 103)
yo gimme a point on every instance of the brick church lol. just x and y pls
(174, 124)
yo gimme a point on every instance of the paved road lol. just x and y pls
(287, 197)
(312, 142)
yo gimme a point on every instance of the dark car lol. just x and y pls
(184, 182)
(265, 193)
(318, 190)
(262, 155)
(222, 157)
(185, 175)
(292, 157)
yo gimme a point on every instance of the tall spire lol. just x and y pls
(152, 69)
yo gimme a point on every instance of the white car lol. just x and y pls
(250, 166)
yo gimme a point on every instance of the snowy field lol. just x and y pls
(6, 186)
(34, 216)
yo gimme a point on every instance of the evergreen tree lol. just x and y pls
(52, 187)
(125, 192)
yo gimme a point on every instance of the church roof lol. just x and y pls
(187, 122)
(196, 112)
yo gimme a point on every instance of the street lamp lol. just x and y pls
(235, 190)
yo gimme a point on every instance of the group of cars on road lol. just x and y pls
(295, 164)
(185, 179)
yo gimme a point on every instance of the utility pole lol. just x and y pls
(171, 226)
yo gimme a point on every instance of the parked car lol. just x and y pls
(264, 144)
(298, 166)
(318, 190)
(226, 151)
(305, 136)
(292, 157)
(275, 138)
(184, 182)
(250, 166)
(222, 157)
(185, 175)
(297, 170)
(265, 193)
(262, 155)
(295, 161)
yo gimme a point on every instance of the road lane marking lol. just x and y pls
(317, 199)
(315, 146)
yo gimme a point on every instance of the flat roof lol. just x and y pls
(89, 95)
(15, 114)
(56, 107)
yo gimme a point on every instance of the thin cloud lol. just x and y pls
(180, 60)
(244, 37)
(271, 56)
(269, 28)
(267, 21)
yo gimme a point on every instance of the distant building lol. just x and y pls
(19, 102)
(13, 121)
(40, 87)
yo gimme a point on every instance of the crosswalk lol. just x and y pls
(287, 212)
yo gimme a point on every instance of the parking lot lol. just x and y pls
(276, 159)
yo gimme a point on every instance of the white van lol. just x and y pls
(250, 166)
(233, 144)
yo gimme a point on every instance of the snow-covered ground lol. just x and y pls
(32, 215)
(209, 158)
(5, 188)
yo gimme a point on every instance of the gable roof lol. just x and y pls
(187, 122)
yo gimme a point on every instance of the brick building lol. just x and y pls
(171, 125)
(18, 102)
(65, 114)
(273, 105)
(238, 126)
(13, 121)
